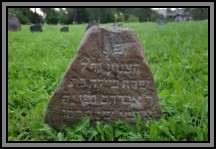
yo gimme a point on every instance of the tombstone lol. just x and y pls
(36, 28)
(13, 23)
(64, 29)
(179, 18)
(92, 23)
(108, 80)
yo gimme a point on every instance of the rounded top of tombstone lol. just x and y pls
(97, 29)
(111, 29)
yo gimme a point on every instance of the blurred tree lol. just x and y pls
(144, 14)
(71, 15)
(63, 16)
(107, 15)
(199, 13)
(51, 15)
(103, 15)
(81, 15)
(95, 13)
(123, 13)
(119, 17)
(132, 18)
(25, 15)
(155, 16)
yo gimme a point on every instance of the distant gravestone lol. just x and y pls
(36, 28)
(64, 29)
(92, 23)
(13, 23)
(178, 18)
(108, 79)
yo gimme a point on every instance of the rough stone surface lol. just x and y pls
(36, 28)
(91, 23)
(108, 79)
(64, 29)
(13, 23)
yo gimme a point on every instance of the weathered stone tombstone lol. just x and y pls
(92, 23)
(13, 23)
(36, 28)
(108, 79)
(64, 29)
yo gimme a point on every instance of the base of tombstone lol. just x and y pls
(57, 120)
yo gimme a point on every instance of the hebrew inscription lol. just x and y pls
(112, 83)
(107, 80)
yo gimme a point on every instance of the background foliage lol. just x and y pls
(104, 15)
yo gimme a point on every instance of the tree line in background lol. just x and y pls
(104, 15)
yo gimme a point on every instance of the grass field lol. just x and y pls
(178, 57)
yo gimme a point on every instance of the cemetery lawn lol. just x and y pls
(178, 57)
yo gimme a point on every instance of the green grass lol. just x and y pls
(178, 57)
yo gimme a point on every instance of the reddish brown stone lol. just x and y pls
(107, 80)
